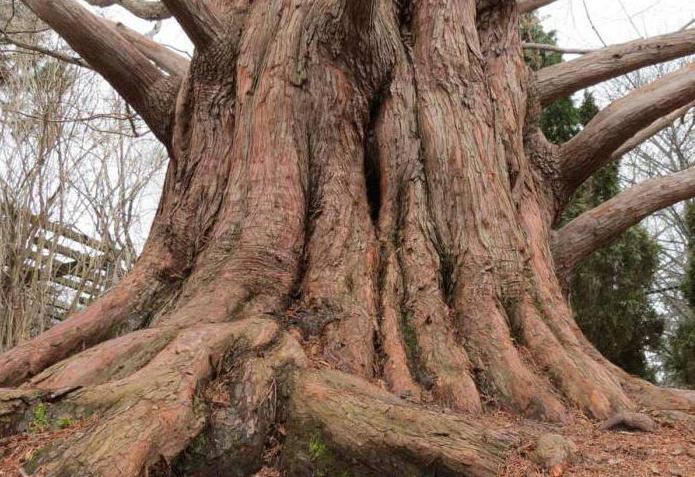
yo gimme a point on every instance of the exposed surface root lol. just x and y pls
(594, 395)
(169, 417)
(646, 394)
(150, 414)
(554, 453)
(422, 347)
(108, 361)
(17, 450)
(670, 451)
(162, 417)
(242, 406)
(341, 423)
(134, 295)
(632, 421)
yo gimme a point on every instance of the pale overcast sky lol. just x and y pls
(615, 20)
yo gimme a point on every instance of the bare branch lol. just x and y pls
(45, 51)
(200, 19)
(139, 8)
(526, 6)
(651, 130)
(555, 48)
(137, 80)
(164, 57)
(600, 226)
(563, 79)
(621, 120)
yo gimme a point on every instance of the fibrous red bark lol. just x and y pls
(565, 78)
(354, 185)
(601, 225)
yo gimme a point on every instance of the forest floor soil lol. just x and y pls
(668, 452)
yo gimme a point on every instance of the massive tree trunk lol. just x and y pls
(355, 231)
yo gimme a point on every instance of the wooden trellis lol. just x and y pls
(78, 267)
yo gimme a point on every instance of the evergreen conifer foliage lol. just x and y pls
(680, 359)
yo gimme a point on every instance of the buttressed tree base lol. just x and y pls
(356, 230)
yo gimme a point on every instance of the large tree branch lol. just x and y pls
(563, 79)
(600, 226)
(149, 91)
(526, 6)
(612, 127)
(200, 19)
(139, 8)
(164, 57)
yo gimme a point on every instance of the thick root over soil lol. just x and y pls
(354, 428)
(209, 400)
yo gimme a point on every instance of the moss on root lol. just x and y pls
(325, 462)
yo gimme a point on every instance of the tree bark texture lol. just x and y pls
(354, 234)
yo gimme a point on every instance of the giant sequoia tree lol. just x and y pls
(357, 225)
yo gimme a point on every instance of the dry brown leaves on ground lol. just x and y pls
(668, 452)
(18, 449)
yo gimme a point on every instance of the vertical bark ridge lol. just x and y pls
(341, 281)
(256, 243)
(470, 188)
(581, 389)
(417, 321)
(502, 374)
(340, 284)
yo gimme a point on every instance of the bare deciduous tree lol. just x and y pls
(65, 167)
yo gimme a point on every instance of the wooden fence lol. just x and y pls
(78, 268)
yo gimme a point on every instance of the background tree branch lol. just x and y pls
(167, 59)
(563, 79)
(45, 51)
(526, 6)
(654, 128)
(139, 8)
(555, 48)
(200, 19)
(131, 73)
